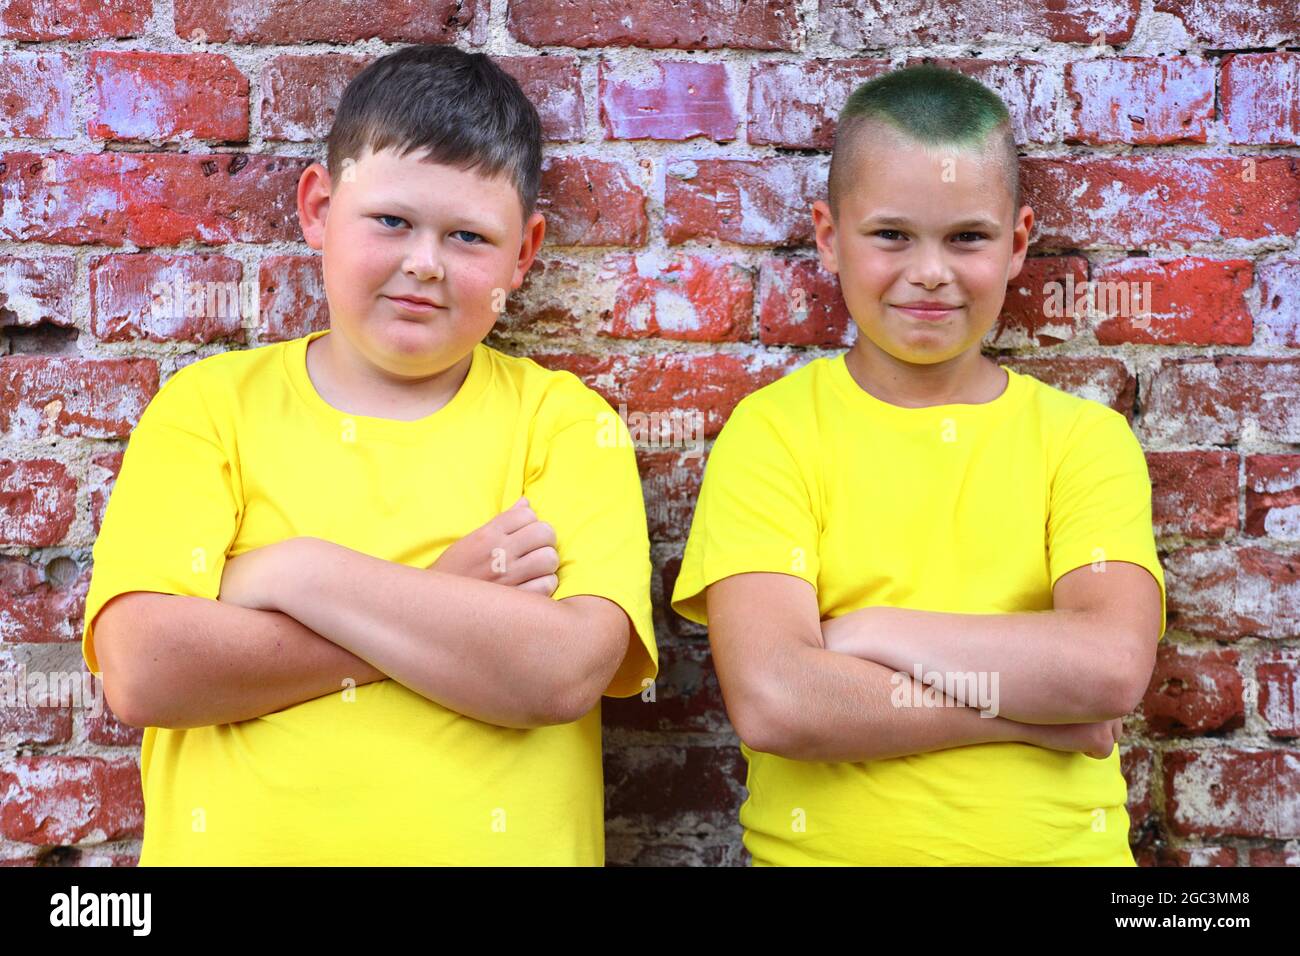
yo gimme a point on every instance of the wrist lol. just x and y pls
(287, 576)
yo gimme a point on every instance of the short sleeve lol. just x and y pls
(172, 512)
(1100, 506)
(756, 511)
(589, 490)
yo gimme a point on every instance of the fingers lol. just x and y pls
(544, 585)
(519, 515)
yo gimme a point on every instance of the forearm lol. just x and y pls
(498, 654)
(829, 706)
(200, 662)
(1046, 667)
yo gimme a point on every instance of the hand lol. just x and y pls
(249, 579)
(1097, 739)
(514, 549)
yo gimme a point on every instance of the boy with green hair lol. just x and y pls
(930, 582)
(365, 589)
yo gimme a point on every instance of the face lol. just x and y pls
(922, 226)
(401, 226)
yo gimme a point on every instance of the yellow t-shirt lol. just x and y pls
(962, 508)
(238, 451)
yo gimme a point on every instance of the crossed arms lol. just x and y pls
(476, 632)
(811, 690)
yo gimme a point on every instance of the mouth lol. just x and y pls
(413, 305)
(927, 314)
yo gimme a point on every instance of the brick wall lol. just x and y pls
(159, 143)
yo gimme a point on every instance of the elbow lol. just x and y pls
(128, 705)
(766, 724)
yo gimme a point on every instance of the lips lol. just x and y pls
(927, 313)
(412, 305)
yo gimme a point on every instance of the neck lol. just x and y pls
(969, 378)
(351, 384)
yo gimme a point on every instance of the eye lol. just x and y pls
(383, 217)
(466, 232)
(882, 234)
(977, 235)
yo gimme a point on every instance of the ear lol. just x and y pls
(1020, 240)
(824, 230)
(533, 232)
(313, 204)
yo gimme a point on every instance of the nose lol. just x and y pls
(929, 267)
(423, 261)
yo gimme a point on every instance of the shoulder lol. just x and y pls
(787, 403)
(1068, 414)
(555, 397)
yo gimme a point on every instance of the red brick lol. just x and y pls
(666, 99)
(149, 199)
(33, 291)
(751, 202)
(698, 298)
(1278, 320)
(1275, 856)
(670, 479)
(683, 384)
(140, 95)
(35, 719)
(1237, 25)
(291, 297)
(38, 500)
(31, 20)
(1273, 496)
(687, 698)
(795, 103)
(800, 304)
(589, 202)
(1194, 493)
(667, 564)
(1192, 301)
(63, 800)
(329, 21)
(699, 25)
(300, 93)
(890, 23)
(1135, 763)
(1228, 593)
(1043, 303)
(108, 731)
(1213, 793)
(1104, 380)
(1160, 200)
(41, 603)
(36, 92)
(1144, 101)
(555, 297)
(92, 398)
(1198, 856)
(101, 474)
(688, 778)
(166, 298)
(554, 85)
(1224, 399)
(1278, 676)
(1257, 97)
(1193, 692)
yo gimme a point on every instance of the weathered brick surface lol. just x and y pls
(149, 160)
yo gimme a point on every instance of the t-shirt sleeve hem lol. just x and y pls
(689, 593)
(1066, 565)
(642, 663)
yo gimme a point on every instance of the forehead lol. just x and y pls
(415, 182)
(934, 182)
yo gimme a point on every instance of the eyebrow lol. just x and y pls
(901, 221)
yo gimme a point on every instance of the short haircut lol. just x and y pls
(932, 106)
(461, 108)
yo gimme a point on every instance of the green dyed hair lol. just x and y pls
(932, 106)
